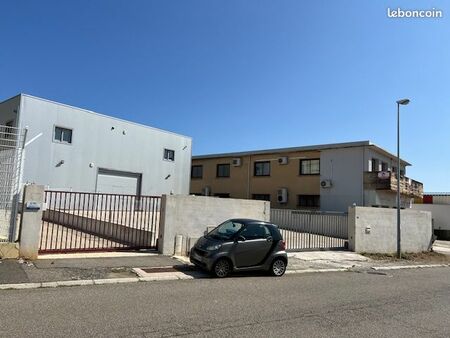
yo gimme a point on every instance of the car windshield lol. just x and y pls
(225, 230)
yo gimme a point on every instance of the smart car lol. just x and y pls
(241, 245)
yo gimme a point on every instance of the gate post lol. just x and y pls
(31, 221)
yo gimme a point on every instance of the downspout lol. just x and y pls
(248, 176)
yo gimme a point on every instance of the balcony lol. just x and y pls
(385, 180)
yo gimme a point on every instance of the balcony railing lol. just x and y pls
(385, 180)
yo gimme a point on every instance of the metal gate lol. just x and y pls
(311, 230)
(80, 221)
(11, 153)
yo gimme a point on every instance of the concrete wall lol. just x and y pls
(190, 215)
(31, 221)
(344, 167)
(374, 230)
(106, 142)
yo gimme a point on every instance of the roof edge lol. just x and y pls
(317, 147)
(102, 115)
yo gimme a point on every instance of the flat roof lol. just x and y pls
(316, 147)
(95, 113)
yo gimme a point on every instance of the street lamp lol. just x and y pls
(402, 102)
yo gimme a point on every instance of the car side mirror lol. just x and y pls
(240, 239)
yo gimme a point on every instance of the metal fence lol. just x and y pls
(79, 221)
(311, 230)
(11, 154)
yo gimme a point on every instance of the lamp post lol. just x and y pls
(402, 102)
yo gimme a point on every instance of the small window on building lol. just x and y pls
(310, 167)
(169, 155)
(261, 197)
(63, 135)
(371, 165)
(309, 201)
(384, 166)
(223, 170)
(197, 171)
(262, 168)
(222, 195)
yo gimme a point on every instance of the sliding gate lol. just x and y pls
(79, 221)
(311, 230)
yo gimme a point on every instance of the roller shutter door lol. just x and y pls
(118, 182)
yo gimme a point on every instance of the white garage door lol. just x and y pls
(118, 182)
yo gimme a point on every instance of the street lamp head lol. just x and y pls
(403, 101)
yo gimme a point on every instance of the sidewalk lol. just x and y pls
(102, 268)
(83, 267)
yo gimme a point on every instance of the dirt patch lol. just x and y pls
(421, 257)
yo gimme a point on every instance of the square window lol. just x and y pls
(63, 135)
(169, 155)
(261, 197)
(223, 170)
(197, 171)
(309, 201)
(262, 168)
(310, 167)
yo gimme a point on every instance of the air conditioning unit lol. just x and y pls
(236, 162)
(282, 195)
(325, 183)
(206, 191)
(283, 160)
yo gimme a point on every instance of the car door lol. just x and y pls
(253, 245)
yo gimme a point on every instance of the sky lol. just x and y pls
(244, 75)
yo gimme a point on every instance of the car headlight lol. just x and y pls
(213, 247)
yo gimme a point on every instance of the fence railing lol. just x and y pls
(80, 221)
(311, 229)
(11, 147)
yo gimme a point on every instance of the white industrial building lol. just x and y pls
(74, 149)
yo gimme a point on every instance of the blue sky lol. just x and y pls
(244, 75)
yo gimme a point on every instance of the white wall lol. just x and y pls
(138, 150)
(189, 216)
(344, 167)
(439, 212)
(374, 230)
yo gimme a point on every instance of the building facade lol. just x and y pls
(69, 148)
(328, 177)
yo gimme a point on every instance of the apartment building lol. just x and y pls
(329, 177)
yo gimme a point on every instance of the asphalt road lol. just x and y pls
(408, 303)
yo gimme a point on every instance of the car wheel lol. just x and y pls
(222, 268)
(278, 267)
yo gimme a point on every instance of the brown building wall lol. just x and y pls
(243, 184)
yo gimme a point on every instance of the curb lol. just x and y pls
(289, 272)
(180, 276)
(418, 266)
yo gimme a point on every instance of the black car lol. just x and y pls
(241, 245)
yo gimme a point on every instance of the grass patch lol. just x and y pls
(426, 257)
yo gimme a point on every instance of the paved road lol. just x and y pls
(408, 303)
